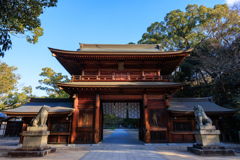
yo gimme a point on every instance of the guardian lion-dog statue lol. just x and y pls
(201, 117)
(41, 118)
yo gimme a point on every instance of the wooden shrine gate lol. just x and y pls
(153, 117)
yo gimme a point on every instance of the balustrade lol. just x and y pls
(120, 77)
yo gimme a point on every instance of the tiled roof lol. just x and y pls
(185, 105)
(58, 106)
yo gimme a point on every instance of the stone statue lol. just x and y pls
(41, 118)
(207, 137)
(154, 117)
(86, 118)
(201, 117)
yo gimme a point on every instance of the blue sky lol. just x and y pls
(88, 21)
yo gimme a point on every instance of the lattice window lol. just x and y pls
(182, 126)
(60, 127)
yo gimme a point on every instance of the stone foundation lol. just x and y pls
(31, 153)
(34, 143)
(211, 151)
(208, 144)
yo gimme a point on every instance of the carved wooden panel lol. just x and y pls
(85, 118)
(157, 118)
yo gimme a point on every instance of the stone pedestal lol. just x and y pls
(207, 136)
(34, 143)
(208, 144)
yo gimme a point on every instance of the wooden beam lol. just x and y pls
(120, 97)
(147, 138)
(97, 119)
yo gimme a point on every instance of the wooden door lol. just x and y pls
(85, 119)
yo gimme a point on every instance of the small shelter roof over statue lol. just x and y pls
(108, 78)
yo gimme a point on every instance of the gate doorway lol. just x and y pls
(121, 122)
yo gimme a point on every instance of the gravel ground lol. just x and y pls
(180, 154)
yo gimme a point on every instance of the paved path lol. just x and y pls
(120, 137)
(120, 145)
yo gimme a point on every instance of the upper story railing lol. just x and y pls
(120, 77)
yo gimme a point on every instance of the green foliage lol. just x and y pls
(8, 79)
(110, 119)
(128, 121)
(10, 97)
(49, 83)
(179, 30)
(16, 99)
(189, 29)
(111, 127)
(21, 17)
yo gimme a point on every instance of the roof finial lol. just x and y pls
(159, 46)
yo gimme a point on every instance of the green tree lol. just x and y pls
(21, 17)
(8, 79)
(49, 83)
(179, 30)
(10, 97)
(15, 98)
(184, 30)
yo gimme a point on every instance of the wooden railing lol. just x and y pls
(76, 78)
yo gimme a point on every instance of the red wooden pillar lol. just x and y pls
(97, 118)
(166, 100)
(147, 138)
(74, 119)
(24, 128)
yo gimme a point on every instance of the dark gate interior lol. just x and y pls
(14, 128)
(140, 120)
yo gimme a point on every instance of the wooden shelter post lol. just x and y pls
(24, 128)
(169, 126)
(75, 116)
(97, 118)
(147, 138)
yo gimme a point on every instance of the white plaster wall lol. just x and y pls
(3, 128)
